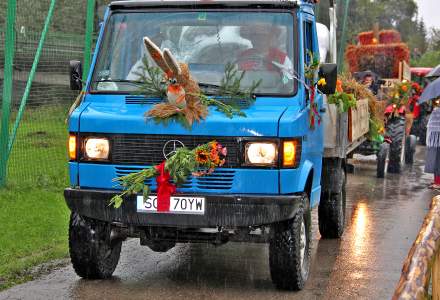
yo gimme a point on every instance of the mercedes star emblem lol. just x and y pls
(170, 147)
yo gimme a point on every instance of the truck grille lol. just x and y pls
(139, 99)
(220, 179)
(148, 149)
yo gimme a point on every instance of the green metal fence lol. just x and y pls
(35, 85)
(37, 41)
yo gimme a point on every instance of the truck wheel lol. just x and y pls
(396, 131)
(161, 246)
(410, 149)
(382, 160)
(289, 249)
(331, 213)
(92, 255)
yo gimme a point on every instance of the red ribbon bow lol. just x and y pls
(164, 188)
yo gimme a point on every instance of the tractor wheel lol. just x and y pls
(289, 249)
(422, 130)
(396, 131)
(382, 160)
(410, 149)
(91, 253)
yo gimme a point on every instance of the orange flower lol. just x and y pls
(214, 156)
(404, 88)
(202, 156)
(339, 88)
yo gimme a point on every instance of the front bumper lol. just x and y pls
(221, 210)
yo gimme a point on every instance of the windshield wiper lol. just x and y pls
(209, 85)
(119, 80)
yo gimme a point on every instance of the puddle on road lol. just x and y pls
(383, 218)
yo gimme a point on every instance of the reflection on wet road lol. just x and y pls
(383, 218)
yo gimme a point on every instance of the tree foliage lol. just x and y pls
(401, 15)
(428, 59)
(69, 16)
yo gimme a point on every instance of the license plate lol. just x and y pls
(178, 205)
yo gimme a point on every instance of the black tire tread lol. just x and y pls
(422, 130)
(91, 254)
(331, 226)
(284, 251)
(381, 160)
(396, 131)
(410, 149)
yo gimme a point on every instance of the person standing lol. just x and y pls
(432, 164)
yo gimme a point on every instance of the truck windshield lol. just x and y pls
(260, 43)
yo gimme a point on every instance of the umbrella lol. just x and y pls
(432, 91)
(434, 72)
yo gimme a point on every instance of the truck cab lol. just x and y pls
(271, 179)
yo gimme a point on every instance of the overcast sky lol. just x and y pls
(429, 11)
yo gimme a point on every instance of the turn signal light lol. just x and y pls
(72, 147)
(291, 153)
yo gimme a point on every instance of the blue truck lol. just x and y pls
(276, 170)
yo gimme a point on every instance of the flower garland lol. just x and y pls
(310, 72)
(198, 162)
(401, 93)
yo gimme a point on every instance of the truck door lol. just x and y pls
(315, 133)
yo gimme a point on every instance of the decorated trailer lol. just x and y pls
(204, 121)
(380, 61)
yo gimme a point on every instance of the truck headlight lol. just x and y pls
(261, 153)
(96, 148)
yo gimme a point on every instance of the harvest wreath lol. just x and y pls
(197, 162)
(185, 103)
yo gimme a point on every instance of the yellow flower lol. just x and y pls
(322, 82)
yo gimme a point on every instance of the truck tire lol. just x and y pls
(410, 149)
(396, 131)
(382, 160)
(331, 213)
(289, 249)
(161, 246)
(91, 253)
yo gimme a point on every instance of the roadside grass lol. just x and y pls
(33, 215)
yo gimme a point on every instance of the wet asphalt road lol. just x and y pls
(383, 218)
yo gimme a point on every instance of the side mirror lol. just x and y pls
(75, 72)
(330, 73)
